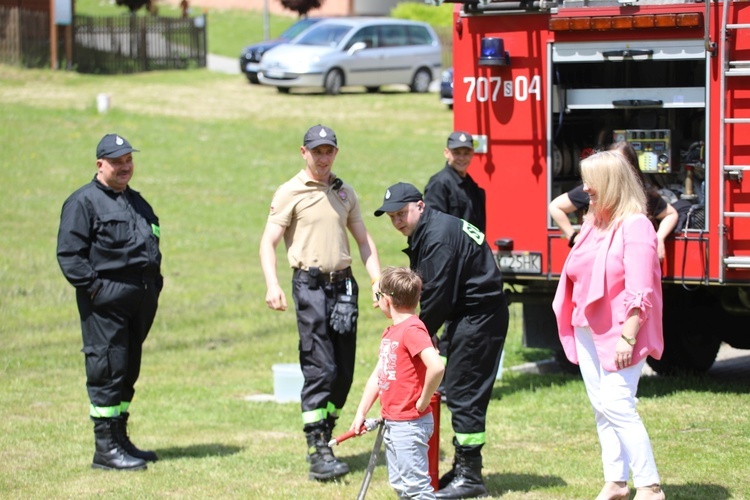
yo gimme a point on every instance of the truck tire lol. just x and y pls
(692, 322)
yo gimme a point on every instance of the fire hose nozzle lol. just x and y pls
(368, 425)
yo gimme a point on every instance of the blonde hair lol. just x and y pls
(403, 285)
(619, 191)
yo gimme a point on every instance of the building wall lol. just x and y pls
(40, 5)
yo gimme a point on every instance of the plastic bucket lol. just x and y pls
(287, 382)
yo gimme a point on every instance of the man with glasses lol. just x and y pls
(312, 213)
(463, 288)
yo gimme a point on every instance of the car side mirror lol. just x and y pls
(356, 47)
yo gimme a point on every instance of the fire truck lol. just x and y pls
(539, 83)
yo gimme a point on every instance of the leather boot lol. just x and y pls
(447, 478)
(467, 482)
(121, 426)
(109, 454)
(323, 464)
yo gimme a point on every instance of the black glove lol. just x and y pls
(572, 240)
(344, 315)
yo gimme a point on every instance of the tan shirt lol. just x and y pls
(315, 217)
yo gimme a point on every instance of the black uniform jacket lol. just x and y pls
(106, 232)
(457, 267)
(461, 197)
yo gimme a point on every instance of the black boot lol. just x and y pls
(447, 478)
(109, 454)
(323, 465)
(467, 481)
(121, 425)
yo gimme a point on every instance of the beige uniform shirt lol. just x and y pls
(315, 217)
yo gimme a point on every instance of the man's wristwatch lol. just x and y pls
(629, 340)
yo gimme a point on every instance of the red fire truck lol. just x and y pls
(539, 83)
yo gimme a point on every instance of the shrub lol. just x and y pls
(441, 16)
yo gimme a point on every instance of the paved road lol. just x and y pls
(730, 362)
(222, 64)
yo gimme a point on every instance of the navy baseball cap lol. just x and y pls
(113, 146)
(318, 136)
(460, 139)
(397, 196)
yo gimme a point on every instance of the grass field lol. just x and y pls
(213, 149)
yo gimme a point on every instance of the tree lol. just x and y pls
(302, 7)
(134, 5)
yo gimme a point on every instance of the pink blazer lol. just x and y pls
(626, 275)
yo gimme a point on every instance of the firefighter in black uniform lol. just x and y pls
(108, 249)
(463, 288)
(452, 190)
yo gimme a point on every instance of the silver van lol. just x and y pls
(355, 51)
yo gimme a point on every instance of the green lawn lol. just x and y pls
(213, 149)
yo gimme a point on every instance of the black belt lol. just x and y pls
(330, 277)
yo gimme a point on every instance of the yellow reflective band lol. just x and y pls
(156, 230)
(124, 406)
(445, 360)
(310, 417)
(332, 410)
(471, 439)
(104, 411)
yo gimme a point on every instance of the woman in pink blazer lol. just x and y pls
(609, 316)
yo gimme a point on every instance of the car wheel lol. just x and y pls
(372, 90)
(421, 81)
(283, 90)
(252, 78)
(334, 81)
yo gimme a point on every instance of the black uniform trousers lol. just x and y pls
(473, 343)
(114, 325)
(326, 357)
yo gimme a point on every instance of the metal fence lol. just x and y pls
(106, 45)
(24, 37)
(129, 44)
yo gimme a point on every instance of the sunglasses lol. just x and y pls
(379, 294)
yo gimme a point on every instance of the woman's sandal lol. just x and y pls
(653, 492)
(622, 494)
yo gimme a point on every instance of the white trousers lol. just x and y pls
(625, 443)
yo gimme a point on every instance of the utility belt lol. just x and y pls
(146, 275)
(315, 276)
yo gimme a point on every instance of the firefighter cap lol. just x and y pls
(397, 196)
(113, 146)
(318, 136)
(460, 139)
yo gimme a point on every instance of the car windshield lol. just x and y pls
(297, 28)
(324, 35)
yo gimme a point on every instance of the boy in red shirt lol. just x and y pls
(408, 372)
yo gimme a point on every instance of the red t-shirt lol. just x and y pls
(401, 372)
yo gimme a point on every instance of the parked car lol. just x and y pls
(446, 88)
(251, 55)
(355, 51)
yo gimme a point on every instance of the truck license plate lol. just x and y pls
(520, 262)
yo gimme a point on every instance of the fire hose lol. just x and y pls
(368, 425)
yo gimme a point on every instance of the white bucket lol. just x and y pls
(102, 103)
(287, 382)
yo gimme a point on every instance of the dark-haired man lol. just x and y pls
(463, 288)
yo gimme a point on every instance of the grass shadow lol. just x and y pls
(198, 451)
(693, 491)
(519, 382)
(659, 386)
(498, 484)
